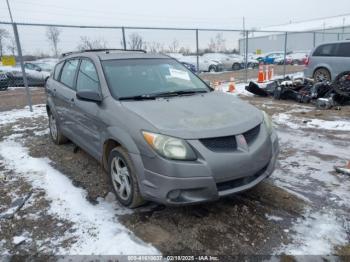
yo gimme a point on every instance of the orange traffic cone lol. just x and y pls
(261, 74)
(272, 72)
(232, 86)
(266, 73)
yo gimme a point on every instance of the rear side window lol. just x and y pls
(57, 71)
(87, 76)
(326, 50)
(68, 72)
(343, 50)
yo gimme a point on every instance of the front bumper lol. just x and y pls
(195, 182)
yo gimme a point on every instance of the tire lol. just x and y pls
(212, 68)
(236, 66)
(295, 62)
(55, 133)
(322, 75)
(123, 177)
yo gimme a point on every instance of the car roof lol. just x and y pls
(334, 42)
(115, 54)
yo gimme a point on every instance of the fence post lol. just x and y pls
(25, 80)
(197, 50)
(285, 54)
(124, 41)
(246, 56)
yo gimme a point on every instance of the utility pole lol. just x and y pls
(19, 51)
(244, 36)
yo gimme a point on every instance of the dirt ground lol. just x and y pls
(262, 220)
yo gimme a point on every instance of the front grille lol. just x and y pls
(222, 186)
(251, 134)
(220, 144)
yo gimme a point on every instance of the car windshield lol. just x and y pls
(142, 77)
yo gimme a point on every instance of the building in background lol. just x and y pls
(305, 36)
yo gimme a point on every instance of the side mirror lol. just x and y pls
(88, 95)
(38, 69)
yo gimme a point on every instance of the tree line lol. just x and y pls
(134, 41)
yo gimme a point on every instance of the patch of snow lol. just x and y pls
(296, 123)
(97, 229)
(12, 116)
(317, 234)
(42, 132)
(273, 218)
(19, 239)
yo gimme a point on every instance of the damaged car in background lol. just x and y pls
(324, 94)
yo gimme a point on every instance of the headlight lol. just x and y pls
(170, 147)
(268, 122)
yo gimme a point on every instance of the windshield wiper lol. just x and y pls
(163, 94)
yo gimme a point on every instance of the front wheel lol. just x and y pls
(124, 179)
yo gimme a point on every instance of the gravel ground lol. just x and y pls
(270, 218)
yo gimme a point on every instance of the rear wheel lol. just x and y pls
(55, 133)
(322, 75)
(124, 179)
(236, 66)
(212, 68)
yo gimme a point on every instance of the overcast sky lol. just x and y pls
(161, 13)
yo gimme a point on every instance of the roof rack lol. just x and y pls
(107, 50)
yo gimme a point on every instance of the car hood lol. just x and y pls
(197, 116)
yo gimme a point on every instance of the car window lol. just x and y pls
(68, 72)
(343, 49)
(135, 77)
(87, 76)
(28, 66)
(57, 71)
(325, 50)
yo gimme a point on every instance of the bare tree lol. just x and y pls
(87, 44)
(217, 44)
(4, 34)
(174, 46)
(136, 42)
(53, 36)
(184, 50)
(12, 46)
(155, 47)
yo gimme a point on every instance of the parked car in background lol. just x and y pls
(269, 58)
(252, 63)
(228, 62)
(130, 111)
(298, 57)
(34, 77)
(39, 66)
(328, 60)
(205, 65)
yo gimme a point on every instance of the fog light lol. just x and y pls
(174, 194)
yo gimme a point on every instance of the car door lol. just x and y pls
(64, 93)
(87, 124)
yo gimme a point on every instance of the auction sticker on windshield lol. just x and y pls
(179, 74)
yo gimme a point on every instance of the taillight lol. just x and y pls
(307, 61)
